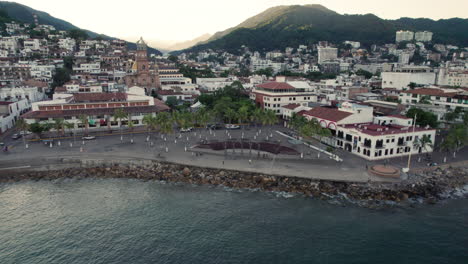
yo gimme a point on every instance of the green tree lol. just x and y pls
(77, 34)
(423, 118)
(84, 122)
(424, 143)
(23, 126)
(119, 115)
(364, 73)
(58, 125)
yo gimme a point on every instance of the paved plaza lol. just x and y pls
(180, 148)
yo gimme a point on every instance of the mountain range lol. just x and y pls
(290, 26)
(24, 14)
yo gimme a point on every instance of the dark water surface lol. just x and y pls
(129, 221)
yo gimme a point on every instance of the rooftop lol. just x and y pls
(275, 86)
(378, 130)
(99, 97)
(331, 114)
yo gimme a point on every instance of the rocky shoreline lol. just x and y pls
(430, 185)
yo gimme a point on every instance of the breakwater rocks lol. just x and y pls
(430, 186)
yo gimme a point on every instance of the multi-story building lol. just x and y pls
(423, 36)
(346, 113)
(42, 72)
(10, 111)
(88, 68)
(213, 84)
(98, 107)
(67, 43)
(443, 98)
(274, 95)
(14, 73)
(259, 64)
(385, 137)
(404, 35)
(400, 78)
(326, 54)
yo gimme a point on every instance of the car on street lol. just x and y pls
(2, 144)
(214, 126)
(16, 136)
(24, 133)
(232, 126)
(189, 129)
(88, 137)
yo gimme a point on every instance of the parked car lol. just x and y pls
(189, 129)
(214, 126)
(2, 144)
(232, 126)
(16, 136)
(23, 133)
(88, 137)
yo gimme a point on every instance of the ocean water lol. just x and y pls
(130, 221)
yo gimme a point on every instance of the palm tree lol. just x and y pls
(270, 118)
(257, 115)
(423, 143)
(119, 115)
(297, 121)
(447, 146)
(130, 126)
(59, 125)
(243, 114)
(165, 123)
(148, 121)
(70, 126)
(230, 114)
(23, 126)
(84, 121)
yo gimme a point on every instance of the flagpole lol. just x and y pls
(409, 156)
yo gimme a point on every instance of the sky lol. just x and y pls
(178, 20)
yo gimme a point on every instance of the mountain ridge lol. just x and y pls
(25, 13)
(282, 26)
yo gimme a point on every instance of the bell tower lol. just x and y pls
(142, 56)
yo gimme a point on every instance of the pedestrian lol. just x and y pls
(250, 161)
(223, 162)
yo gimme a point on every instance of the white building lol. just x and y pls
(274, 95)
(443, 98)
(67, 43)
(404, 36)
(385, 137)
(33, 94)
(402, 77)
(42, 72)
(404, 58)
(88, 68)
(423, 36)
(347, 113)
(10, 111)
(32, 44)
(213, 84)
(8, 43)
(326, 54)
(259, 64)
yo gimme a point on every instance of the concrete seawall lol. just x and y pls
(430, 186)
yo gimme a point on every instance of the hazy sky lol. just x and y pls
(187, 19)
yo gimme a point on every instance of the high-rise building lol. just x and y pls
(404, 36)
(326, 54)
(424, 36)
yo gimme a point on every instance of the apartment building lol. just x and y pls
(274, 95)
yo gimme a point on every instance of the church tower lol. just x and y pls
(142, 57)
